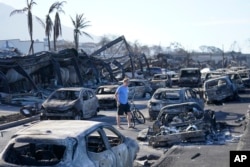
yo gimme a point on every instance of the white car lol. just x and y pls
(69, 143)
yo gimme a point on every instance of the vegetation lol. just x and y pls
(79, 24)
(27, 10)
(57, 22)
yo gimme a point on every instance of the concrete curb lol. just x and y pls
(19, 122)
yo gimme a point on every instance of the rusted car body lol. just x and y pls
(161, 81)
(181, 122)
(219, 89)
(86, 143)
(106, 96)
(167, 96)
(190, 77)
(70, 103)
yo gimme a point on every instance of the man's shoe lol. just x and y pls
(130, 126)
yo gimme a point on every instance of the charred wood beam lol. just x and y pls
(21, 71)
(131, 56)
(119, 39)
(118, 64)
(5, 82)
(56, 67)
(75, 64)
(146, 61)
(108, 45)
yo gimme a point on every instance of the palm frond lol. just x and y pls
(40, 21)
(53, 7)
(18, 11)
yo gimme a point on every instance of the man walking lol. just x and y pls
(121, 96)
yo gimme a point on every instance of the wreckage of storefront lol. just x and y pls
(48, 70)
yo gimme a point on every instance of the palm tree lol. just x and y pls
(28, 9)
(79, 23)
(57, 22)
(49, 22)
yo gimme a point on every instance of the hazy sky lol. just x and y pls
(191, 23)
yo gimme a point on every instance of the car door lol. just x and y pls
(192, 96)
(85, 104)
(93, 101)
(98, 151)
(116, 144)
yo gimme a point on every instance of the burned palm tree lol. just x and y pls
(79, 24)
(27, 10)
(57, 22)
(49, 23)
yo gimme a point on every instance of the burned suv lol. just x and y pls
(190, 77)
(70, 103)
(161, 81)
(219, 89)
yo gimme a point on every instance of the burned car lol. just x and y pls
(183, 122)
(70, 103)
(86, 143)
(166, 96)
(245, 76)
(190, 77)
(161, 81)
(236, 79)
(106, 96)
(141, 87)
(219, 89)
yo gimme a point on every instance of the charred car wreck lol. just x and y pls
(47, 143)
(176, 123)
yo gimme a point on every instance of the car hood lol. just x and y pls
(59, 104)
(111, 96)
(165, 101)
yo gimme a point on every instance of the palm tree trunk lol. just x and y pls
(54, 40)
(48, 43)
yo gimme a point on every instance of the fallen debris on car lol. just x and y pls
(183, 122)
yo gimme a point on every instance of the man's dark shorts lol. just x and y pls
(123, 108)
